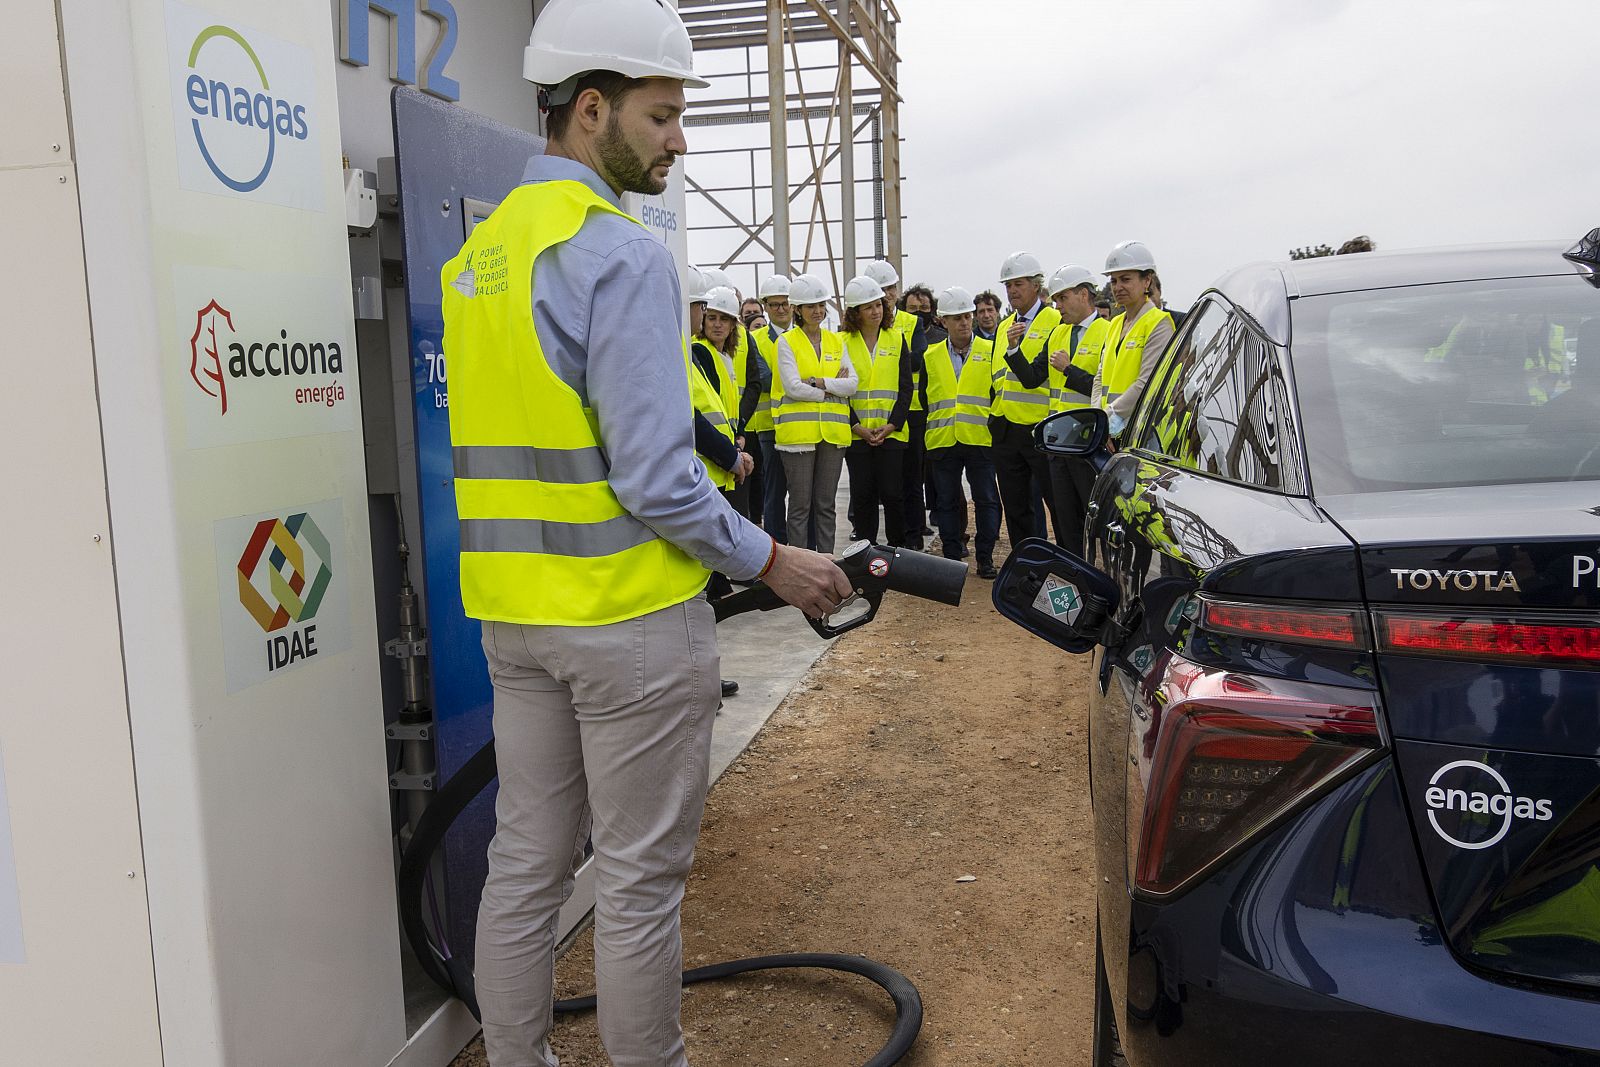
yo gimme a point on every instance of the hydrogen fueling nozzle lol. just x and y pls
(872, 570)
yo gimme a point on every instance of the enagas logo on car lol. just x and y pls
(1472, 806)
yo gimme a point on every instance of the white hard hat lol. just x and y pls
(1129, 255)
(956, 301)
(882, 273)
(1070, 277)
(1020, 265)
(777, 285)
(636, 38)
(808, 289)
(862, 290)
(716, 276)
(721, 298)
(695, 291)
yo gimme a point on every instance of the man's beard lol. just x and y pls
(624, 169)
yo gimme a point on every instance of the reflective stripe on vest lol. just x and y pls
(958, 408)
(1120, 358)
(1086, 357)
(878, 379)
(811, 422)
(544, 540)
(906, 323)
(1013, 402)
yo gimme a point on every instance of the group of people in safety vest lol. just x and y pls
(913, 405)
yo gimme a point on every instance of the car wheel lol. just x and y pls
(1107, 1050)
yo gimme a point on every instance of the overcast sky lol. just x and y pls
(1224, 132)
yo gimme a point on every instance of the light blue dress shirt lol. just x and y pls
(608, 312)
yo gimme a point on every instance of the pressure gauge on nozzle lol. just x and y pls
(854, 549)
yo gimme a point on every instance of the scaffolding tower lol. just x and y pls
(799, 88)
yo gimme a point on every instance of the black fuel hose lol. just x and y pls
(452, 973)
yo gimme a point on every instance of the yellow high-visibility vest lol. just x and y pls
(712, 405)
(765, 348)
(1012, 401)
(1086, 357)
(906, 323)
(1120, 358)
(958, 407)
(808, 422)
(544, 540)
(878, 380)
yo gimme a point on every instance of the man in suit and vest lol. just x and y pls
(588, 529)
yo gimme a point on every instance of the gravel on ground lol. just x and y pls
(921, 799)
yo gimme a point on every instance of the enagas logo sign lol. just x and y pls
(227, 109)
(218, 353)
(245, 110)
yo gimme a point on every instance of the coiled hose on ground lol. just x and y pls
(452, 973)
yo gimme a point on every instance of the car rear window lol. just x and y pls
(1470, 383)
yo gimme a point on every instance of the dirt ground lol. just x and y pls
(935, 744)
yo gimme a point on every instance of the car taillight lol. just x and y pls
(1489, 639)
(1233, 753)
(1293, 623)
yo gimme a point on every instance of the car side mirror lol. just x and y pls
(1079, 432)
(1053, 594)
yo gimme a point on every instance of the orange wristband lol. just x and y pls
(771, 558)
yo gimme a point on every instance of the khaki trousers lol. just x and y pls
(602, 734)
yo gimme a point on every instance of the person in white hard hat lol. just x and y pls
(1021, 469)
(1067, 364)
(773, 502)
(878, 412)
(714, 394)
(752, 379)
(578, 589)
(717, 278)
(1136, 338)
(714, 349)
(914, 500)
(811, 414)
(961, 377)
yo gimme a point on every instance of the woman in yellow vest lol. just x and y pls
(811, 413)
(711, 393)
(1136, 338)
(879, 411)
(716, 352)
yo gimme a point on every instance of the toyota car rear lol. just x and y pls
(1344, 591)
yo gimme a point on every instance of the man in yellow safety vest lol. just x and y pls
(588, 529)
(1067, 365)
(1021, 469)
(960, 389)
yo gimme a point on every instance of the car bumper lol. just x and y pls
(1319, 946)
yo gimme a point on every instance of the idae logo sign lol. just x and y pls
(1472, 806)
(283, 599)
(262, 356)
(245, 110)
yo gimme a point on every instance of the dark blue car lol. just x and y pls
(1343, 595)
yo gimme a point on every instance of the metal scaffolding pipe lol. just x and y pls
(777, 100)
(847, 157)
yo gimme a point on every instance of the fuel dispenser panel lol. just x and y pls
(453, 167)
